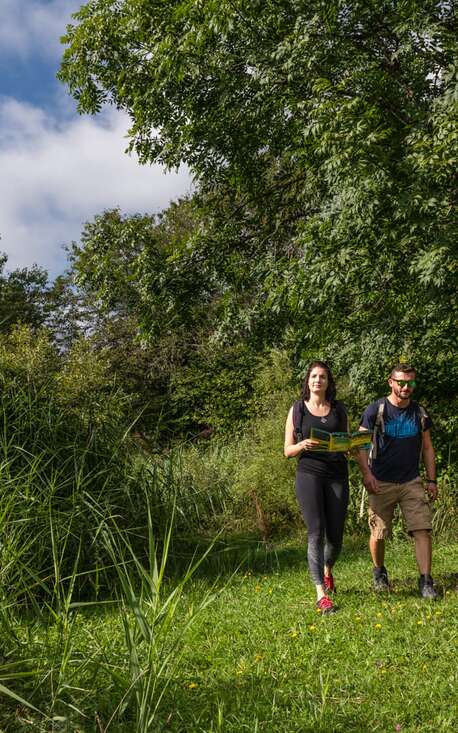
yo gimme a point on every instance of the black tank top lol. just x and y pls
(324, 463)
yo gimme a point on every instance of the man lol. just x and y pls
(391, 476)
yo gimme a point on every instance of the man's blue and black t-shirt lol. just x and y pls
(399, 447)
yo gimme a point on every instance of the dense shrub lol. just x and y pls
(69, 467)
(250, 469)
(214, 390)
(71, 470)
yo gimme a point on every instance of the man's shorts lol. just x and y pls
(413, 501)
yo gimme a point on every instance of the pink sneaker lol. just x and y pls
(329, 585)
(325, 605)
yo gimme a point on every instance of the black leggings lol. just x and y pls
(323, 502)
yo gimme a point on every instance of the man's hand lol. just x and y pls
(370, 482)
(432, 490)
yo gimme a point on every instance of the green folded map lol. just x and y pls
(340, 441)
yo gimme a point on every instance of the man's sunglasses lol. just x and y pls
(406, 382)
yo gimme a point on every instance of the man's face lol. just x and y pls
(402, 384)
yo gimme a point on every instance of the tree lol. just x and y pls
(324, 138)
(232, 86)
(23, 296)
(154, 308)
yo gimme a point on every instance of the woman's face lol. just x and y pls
(318, 380)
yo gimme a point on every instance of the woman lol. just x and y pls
(321, 478)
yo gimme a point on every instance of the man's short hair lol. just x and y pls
(402, 368)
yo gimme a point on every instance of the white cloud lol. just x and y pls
(34, 27)
(54, 176)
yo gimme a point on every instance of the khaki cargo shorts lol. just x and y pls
(413, 501)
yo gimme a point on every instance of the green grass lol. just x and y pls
(257, 658)
(265, 660)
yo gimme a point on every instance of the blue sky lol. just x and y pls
(59, 169)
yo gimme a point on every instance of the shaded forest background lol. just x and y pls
(156, 373)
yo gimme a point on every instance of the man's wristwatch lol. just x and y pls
(431, 481)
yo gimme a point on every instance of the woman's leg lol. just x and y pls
(335, 508)
(310, 496)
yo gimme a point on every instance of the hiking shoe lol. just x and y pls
(381, 584)
(329, 585)
(325, 605)
(426, 587)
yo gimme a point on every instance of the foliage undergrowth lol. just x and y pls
(68, 466)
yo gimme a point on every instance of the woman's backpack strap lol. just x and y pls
(298, 414)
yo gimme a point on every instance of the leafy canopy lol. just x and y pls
(324, 139)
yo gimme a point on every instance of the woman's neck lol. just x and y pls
(317, 400)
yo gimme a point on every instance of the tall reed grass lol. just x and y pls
(57, 680)
(68, 466)
(89, 524)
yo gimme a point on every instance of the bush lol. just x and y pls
(65, 461)
(70, 470)
(241, 482)
(214, 390)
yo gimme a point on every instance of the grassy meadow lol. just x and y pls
(239, 647)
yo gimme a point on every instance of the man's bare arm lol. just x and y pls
(429, 459)
(369, 480)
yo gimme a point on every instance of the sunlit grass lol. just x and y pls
(258, 657)
(270, 661)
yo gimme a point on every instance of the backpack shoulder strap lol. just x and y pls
(340, 407)
(422, 414)
(379, 427)
(298, 414)
(379, 420)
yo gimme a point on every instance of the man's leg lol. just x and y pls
(381, 509)
(417, 513)
(377, 550)
(423, 550)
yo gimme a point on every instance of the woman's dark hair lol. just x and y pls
(330, 394)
